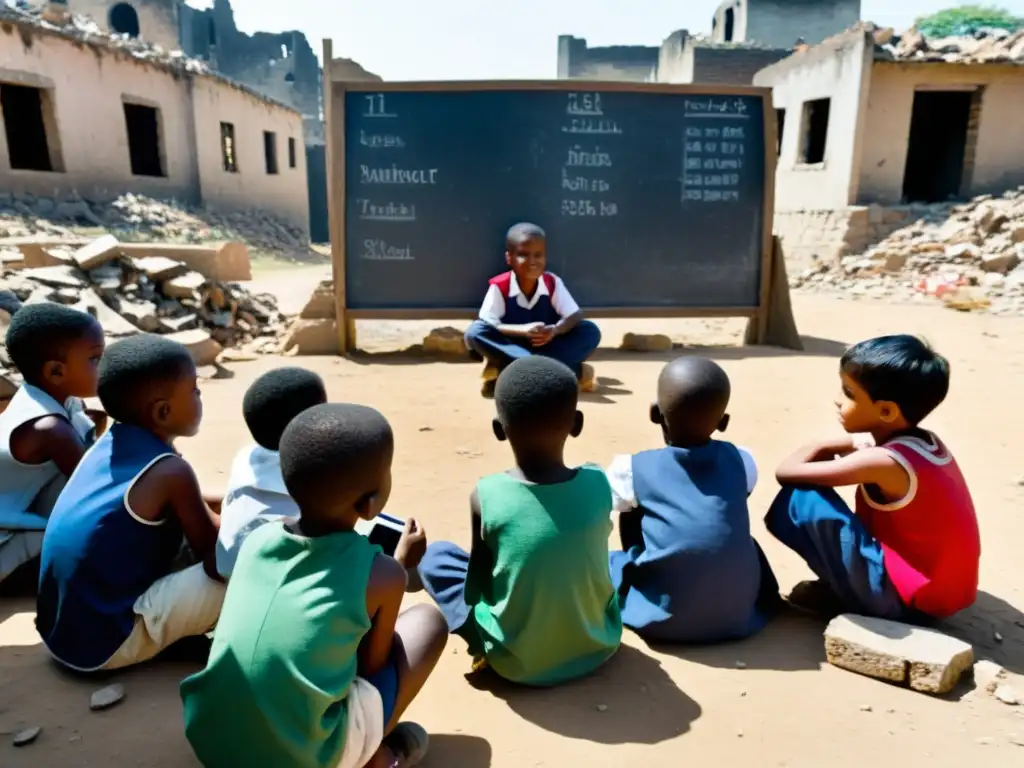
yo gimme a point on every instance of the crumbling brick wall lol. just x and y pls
(634, 63)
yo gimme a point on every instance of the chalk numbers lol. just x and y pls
(585, 104)
(375, 106)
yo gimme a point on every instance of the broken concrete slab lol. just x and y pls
(98, 252)
(57, 277)
(321, 304)
(312, 337)
(45, 256)
(203, 347)
(141, 314)
(159, 268)
(183, 286)
(227, 262)
(446, 341)
(27, 736)
(924, 659)
(113, 324)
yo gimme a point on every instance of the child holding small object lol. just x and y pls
(529, 311)
(690, 572)
(533, 598)
(312, 664)
(910, 549)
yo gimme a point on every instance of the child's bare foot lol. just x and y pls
(815, 597)
(408, 744)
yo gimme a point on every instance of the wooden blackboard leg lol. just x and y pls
(775, 325)
(351, 341)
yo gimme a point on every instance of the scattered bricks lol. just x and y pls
(183, 287)
(646, 342)
(312, 337)
(446, 341)
(924, 659)
(113, 324)
(97, 253)
(56, 277)
(159, 269)
(42, 256)
(999, 262)
(203, 347)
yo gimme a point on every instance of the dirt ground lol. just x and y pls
(768, 701)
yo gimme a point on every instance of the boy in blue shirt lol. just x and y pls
(690, 572)
(109, 596)
(528, 311)
(45, 428)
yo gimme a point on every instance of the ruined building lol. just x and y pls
(746, 35)
(281, 65)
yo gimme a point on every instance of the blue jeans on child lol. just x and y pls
(572, 348)
(819, 526)
(443, 571)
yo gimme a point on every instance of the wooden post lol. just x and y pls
(771, 150)
(334, 123)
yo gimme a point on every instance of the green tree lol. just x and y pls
(967, 19)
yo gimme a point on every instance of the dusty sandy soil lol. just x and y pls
(768, 701)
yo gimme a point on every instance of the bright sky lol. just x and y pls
(503, 39)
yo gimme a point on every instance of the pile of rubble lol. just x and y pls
(130, 293)
(139, 218)
(991, 46)
(970, 255)
(57, 20)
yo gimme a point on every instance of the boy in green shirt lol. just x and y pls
(534, 597)
(311, 664)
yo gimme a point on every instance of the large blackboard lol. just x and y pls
(653, 198)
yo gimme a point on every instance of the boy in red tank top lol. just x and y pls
(910, 549)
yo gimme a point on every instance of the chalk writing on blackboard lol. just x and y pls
(376, 211)
(375, 249)
(712, 159)
(381, 140)
(394, 175)
(374, 106)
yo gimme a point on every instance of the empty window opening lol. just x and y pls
(815, 131)
(270, 151)
(938, 145)
(124, 20)
(227, 147)
(730, 24)
(211, 32)
(780, 127)
(143, 124)
(25, 124)
(292, 159)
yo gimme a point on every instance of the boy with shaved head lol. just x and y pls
(689, 572)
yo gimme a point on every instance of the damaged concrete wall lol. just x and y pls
(633, 63)
(687, 59)
(281, 65)
(83, 92)
(157, 20)
(778, 23)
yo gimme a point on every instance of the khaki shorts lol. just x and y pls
(182, 604)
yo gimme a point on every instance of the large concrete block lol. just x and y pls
(924, 659)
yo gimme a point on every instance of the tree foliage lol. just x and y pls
(968, 19)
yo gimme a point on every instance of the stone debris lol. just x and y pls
(987, 46)
(446, 341)
(924, 659)
(968, 255)
(107, 697)
(146, 294)
(27, 736)
(988, 675)
(1006, 693)
(136, 218)
(646, 342)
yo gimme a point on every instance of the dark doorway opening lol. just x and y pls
(938, 144)
(27, 147)
(730, 24)
(815, 131)
(780, 126)
(124, 20)
(270, 152)
(143, 124)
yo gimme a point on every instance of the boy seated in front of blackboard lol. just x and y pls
(689, 570)
(533, 598)
(529, 311)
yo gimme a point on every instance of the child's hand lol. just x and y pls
(412, 546)
(542, 335)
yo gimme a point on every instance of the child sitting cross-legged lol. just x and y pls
(45, 428)
(256, 493)
(109, 596)
(690, 571)
(312, 665)
(910, 549)
(533, 598)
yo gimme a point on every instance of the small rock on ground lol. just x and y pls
(26, 737)
(106, 697)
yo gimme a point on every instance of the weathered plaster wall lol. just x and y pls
(251, 187)
(634, 63)
(839, 70)
(999, 152)
(86, 89)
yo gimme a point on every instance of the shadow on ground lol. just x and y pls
(995, 628)
(630, 700)
(450, 750)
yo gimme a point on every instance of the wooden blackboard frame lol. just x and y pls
(335, 90)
